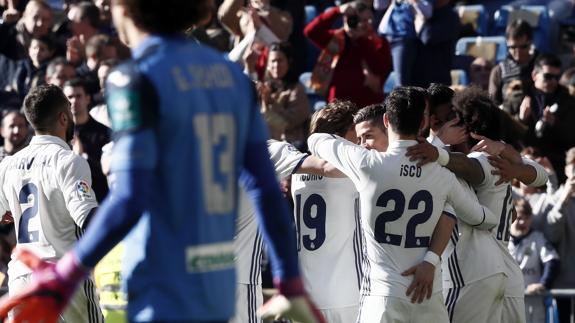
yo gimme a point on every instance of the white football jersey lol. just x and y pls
(326, 212)
(531, 252)
(499, 199)
(471, 254)
(248, 241)
(48, 189)
(400, 205)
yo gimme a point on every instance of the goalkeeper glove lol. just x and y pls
(51, 287)
(292, 302)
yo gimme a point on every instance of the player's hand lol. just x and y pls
(504, 168)
(293, 303)
(487, 145)
(7, 218)
(422, 285)
(525, 109)
(533, 289)
(423, 152)
(451, 133)
(49, 291)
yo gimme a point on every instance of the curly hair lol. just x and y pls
(478, 112)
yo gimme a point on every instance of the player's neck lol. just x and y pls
(393, 136)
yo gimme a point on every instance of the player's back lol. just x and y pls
(326, 212)
(48, 190)
(400, 206)
(202, 122)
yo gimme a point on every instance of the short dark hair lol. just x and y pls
(89, 12)
(478, 112)
(371, 113)
(167, 16)
(336, 118)
(42, 105)
(519, 28)
(97, 43)
(437, 94)
(522, 203)
(77, 82)
(405, 107)
(47, 40)
(51, 69)
(547, 60)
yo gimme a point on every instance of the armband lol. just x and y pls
(432, 258)
(443, 158)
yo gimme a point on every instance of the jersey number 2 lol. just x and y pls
(411, 240)
(24, 235)
(316, 222)
(216, 134)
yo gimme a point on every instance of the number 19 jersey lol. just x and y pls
(400, 207)
(326, 212)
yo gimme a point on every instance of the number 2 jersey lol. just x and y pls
(326, 212)
(400, 207)
(47, 187)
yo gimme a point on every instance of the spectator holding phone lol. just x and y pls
(355, 61)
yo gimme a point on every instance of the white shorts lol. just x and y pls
(387, 309)
(513, 310)
(478, 302)
(340, 315)
(83, 306)
(248, 299)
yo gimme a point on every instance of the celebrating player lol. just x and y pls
(48, 190)
(187, 125)
(400, 207)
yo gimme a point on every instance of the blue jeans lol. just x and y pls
(403, 53)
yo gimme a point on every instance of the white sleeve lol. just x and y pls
(76, 184)
(467, 207)
(285, 157)
(349, 158)
(436, 141)
(542, 175)
(4, 206)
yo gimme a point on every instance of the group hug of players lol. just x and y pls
(393, 228)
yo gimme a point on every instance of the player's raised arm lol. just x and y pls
(344, 155)
(468, 209)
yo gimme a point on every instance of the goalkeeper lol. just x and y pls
(187, 128)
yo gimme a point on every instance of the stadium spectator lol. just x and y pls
(31, 71)
(479, 72)
(89, 135)
(59, 71)
(100, 111)
(362, 59)
(84, 23)
(399, 26)
(550, 115)
(561, 232)
(14, 131)
(36, 20)
(518, 64)
(537, 259)
(98, 48)
(284, 102)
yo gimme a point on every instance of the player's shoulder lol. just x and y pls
(65, 160)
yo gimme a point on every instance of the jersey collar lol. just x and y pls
(402, 143)
(47, 139)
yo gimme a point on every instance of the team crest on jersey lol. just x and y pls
(83, 189)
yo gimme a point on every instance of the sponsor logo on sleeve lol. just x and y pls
(83, 189)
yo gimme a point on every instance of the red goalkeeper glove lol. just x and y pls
(49, 291)
(292, 302)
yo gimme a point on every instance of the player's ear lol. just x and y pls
(386, 120)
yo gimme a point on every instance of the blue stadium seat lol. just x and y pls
(476, 15)
(310, 13)
(536, 16)
(492, 48)
(316, 102)
(390, 83)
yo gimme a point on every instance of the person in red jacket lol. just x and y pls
(355, 61)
